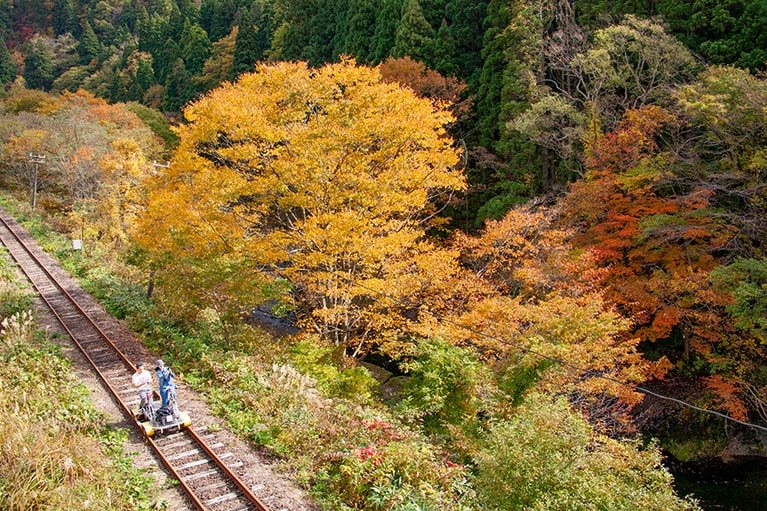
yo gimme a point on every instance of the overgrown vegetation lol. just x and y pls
(603, 185)
(57, 452)
(436, 450)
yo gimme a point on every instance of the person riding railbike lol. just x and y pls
(165, 377)
(142, 381)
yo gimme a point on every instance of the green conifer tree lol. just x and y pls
(444, 52)
(89, 46)
(153, 35)
(190, 11)
(246, 47)
(145, 73)
(164, 64)
(206, 13)
(293, 37)
(217, 18)
(175, 22)
(415, 36)
(360, 23)
(117, 90)
(263, 13)
(129, 48)
(5, 19)
(133, 90)
(101, 17)
(195, 47)
(178, 88)
(466, 23)
(128, 16)
(64, 18)
(8, 67)
(325, 43)
(387, 18)
(491, 79)
(38, 67)
(142, 27)
(160, 7)
(512, 43)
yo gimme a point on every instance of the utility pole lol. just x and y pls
(37, 159)
(160, 165)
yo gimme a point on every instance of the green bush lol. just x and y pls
(316, 360)
(13, 298)
(548, 458)
(156, 121)
(447, 385)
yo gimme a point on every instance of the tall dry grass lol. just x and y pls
(56, 452)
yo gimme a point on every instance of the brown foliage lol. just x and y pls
(427, 83)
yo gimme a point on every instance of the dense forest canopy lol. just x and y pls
(528, 180)
(165, 53)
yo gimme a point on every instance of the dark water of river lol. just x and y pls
(724, 487)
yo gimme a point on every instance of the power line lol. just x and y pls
(596, 374)
(586, 371)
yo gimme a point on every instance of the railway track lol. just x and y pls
(197, 460)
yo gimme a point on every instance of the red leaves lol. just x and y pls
(369, 453)
(634, 139)
(658, 246)
(726, 393)
(384, 427)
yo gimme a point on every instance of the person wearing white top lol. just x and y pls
(142, 381)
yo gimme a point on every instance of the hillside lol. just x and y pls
(529, 213)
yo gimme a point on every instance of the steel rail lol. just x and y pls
(103, 335)
(216, 459)
(240, 484)
(82, 349)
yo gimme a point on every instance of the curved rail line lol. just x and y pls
(202, 473)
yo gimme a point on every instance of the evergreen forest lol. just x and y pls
(515, 248)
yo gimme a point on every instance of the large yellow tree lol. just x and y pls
(327, 177)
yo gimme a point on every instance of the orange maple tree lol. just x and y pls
(427, 83)
(659, 245)
(538, 310)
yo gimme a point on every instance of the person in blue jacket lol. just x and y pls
(165, 377)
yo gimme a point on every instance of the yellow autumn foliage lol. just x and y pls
(327, 176)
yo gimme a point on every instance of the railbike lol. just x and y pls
(154, 418)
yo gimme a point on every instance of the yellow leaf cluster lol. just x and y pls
(122, 194)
